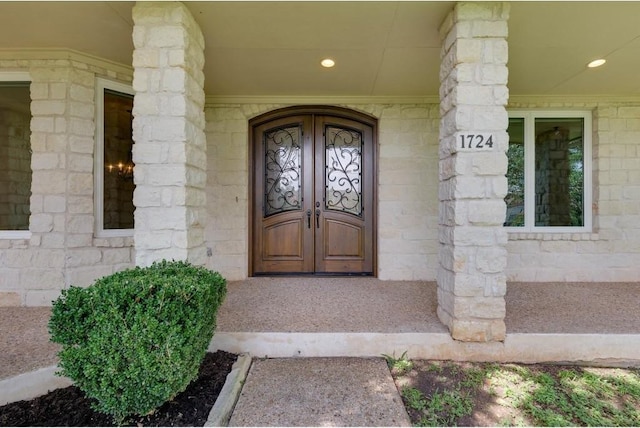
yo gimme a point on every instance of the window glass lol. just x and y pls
(15, 155)
(559, 172)
(515, 174)
(118, 183)
(549, 173)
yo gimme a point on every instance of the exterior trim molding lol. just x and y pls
(320, 100)
(64, 54)
(572, 99)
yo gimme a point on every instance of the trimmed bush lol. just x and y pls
(135, 339)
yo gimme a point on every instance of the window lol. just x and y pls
(549, 174)
(114, 165)
(15, 155)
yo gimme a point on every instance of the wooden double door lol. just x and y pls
(313, 193)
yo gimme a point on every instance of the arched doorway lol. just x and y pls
(313, 178)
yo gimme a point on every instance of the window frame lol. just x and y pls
(101, 85)
(18, 76)
(529, 117)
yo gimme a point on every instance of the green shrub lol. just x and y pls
(135, 339)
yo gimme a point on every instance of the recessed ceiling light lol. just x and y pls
(327, 63)
(596, 63)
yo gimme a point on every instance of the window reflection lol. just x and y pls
(559, 172)
(15, 155)
(118, 165)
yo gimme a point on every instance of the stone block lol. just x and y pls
(85, 276)
(80, 205)
(487, 308)
(489, 163)
(41, 297)
(166, 37)
(58, 91)
(41, 223)
(79, 240)
(83, 257)
(47, 107)
(81, 93)
(41, 279)
(146, 58)
(54, 203)
(80, 183)
(40, 91)
(81, 126)
(468, 50)
(53, 240)
(10, 298)
(489, 212)
(42, 124)
(173, 80)
(60, 125)
(116, 256)
(491, 260)
(83, 110)
(47, 161)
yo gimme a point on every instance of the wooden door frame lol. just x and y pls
(312, 110)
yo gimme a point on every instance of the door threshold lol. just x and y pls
(313, 274)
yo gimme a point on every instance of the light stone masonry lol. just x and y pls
(61, 250)
(168, 130)
(610, 252)
(472, 182)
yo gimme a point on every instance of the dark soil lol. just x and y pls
(69, 406)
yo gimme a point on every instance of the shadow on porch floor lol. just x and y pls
(300, 316)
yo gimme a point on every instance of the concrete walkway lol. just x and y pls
(319, 392)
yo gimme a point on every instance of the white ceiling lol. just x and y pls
(381, 48)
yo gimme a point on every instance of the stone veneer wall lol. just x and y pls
(473, 93)
(611, 253)
(168, 130)
(407, 188)
(62, 249)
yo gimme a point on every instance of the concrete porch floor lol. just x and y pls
(283, 317)
(597, 323)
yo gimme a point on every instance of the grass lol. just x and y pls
(441, 393)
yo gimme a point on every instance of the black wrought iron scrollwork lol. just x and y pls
(283, 159)
(343, 170)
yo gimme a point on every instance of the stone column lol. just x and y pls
(473, 164)
(168, 131)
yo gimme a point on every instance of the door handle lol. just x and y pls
(317, 219)
(308, 219)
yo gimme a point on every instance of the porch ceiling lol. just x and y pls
(381, 48)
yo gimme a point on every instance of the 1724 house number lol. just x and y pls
(474, 142)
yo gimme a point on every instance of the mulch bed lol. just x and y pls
(69, 406)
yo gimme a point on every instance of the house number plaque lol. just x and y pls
(474, 141)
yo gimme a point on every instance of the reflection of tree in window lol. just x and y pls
(558, 172)
(515, 174)
(15, 155)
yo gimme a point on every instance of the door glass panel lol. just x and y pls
(282, 166)
(343, 170)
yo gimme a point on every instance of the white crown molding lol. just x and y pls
(572, 99)
(64, 54)
(313, 99)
